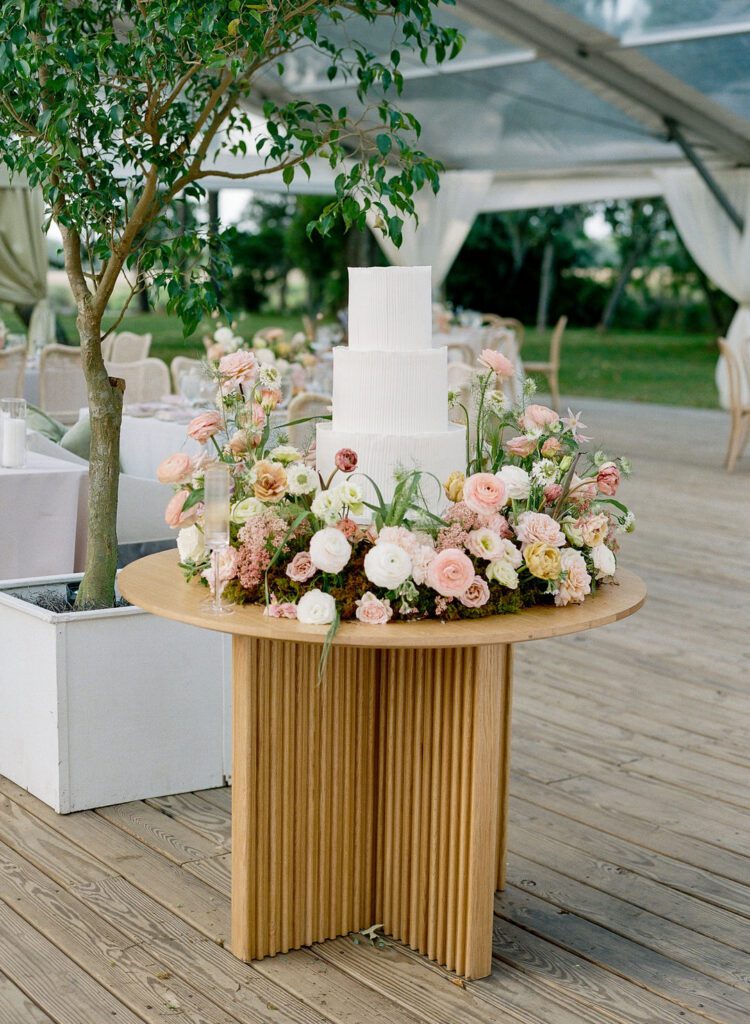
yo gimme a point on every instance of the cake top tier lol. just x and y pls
(390, 308)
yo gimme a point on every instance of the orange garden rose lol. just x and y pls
(270, 481)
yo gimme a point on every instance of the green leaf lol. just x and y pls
(384, 144)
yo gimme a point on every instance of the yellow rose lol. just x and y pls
(454, 486)
(270, 481)
(543, 560)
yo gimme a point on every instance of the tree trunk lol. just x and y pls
(545, 285)
(619, 290)
(105, 396)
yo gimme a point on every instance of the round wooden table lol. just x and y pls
(380, 795)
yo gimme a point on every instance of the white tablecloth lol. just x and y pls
(41, 507)
(145, 441)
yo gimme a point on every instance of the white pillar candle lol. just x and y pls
(13, 450)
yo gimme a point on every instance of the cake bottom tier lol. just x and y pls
(380, 455)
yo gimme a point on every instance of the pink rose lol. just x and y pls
(372, 610)
(484, 493)
(450, 573)
(204, 426)
(537, 417)
(346, 460)
(497, 362)
(552, 493)
(175, 469)
(301, 569)
(476, 594)
(608, 479)
(521, 446)
(551, 447)
(173, 514)
(236, 369)
(280, 609)
(348, 527)
(537, 526)
(576, 582)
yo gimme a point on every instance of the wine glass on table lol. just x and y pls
(217, 485)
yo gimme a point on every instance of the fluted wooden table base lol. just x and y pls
(376, 797)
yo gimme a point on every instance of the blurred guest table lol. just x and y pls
(43, 516)
(31, 384)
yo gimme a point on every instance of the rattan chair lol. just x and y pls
(301, 407)
(551, 369)
(127, 347)
(739, 430)
(12, 371)
(509, 323)
(145, 381)
(62, 387)
(462, 351)
(180, 366)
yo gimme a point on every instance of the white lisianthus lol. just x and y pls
(246, 509)
(351, 495)
(387, 565)
(327, 505)
(604, 561)
(315, 608)
(502, 572)
(512, 553)
(517, 482)
(301, 479)
(329, 550)
(265, 357)
(224, 335)
(269, 376)
(544, 471)
(191, 544)
(485, 543)
(285, 454)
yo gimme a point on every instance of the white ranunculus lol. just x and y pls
(327, 505)
(191, 544)
(301, 479)
(223, 335)
(316, 608)
(329, 550)
(387, 565)
(501, 571)
(604, 561)
(246, 509)
(517, 482)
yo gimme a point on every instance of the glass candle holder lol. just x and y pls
(12, 433)
(217, 492)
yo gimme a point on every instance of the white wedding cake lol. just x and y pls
(390, 386)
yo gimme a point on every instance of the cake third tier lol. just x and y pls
(390, 392)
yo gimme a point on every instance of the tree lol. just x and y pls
(115, 109)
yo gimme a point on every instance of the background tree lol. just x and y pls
(116, 109)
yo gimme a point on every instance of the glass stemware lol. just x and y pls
(217, 488)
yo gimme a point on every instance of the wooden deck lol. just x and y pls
(629, 878)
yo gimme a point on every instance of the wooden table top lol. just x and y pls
(156, 584)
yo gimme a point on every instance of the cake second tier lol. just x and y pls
(390, 392)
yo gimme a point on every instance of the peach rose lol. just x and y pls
(476, 594)
(543, 561)
(608, 479)
(174, 515)
(236, 369)
(484, 493)
(536, 418)
(551, 447)
(373, 610)
(497, 362)
(576, 582)
(521, 446)
(301, 569)
(270, 481)
(175, 469)
(203, 426)
(450, 573)
(537, 526)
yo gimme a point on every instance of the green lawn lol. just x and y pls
(670, 368)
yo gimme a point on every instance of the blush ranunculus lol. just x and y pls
(174, 515)
(608, 479)
(500, 365)
(373, 610)
(484, 493)
(521, 447)
(175, 469)
(450, 572)
(203, 426)
(476, 594)
(236, 369)
(536, 418)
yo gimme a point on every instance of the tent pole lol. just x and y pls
(675, 135)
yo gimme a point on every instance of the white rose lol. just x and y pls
(517, 482)
(301, 479)
(503, 572)
(316, 608)
(223, 335)
(387, 565)
(328, 506)
(604, 561)
(329, 550)
(246, 509)
(191, 545)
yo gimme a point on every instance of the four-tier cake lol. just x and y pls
(390, 386)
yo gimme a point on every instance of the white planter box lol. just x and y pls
(108, 706)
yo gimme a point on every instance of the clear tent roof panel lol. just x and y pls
(623, 18)
(718, 67)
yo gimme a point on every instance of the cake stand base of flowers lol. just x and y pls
(377, 794)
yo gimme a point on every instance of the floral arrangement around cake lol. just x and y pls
(532, 518)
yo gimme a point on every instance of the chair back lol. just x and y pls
(12, 371)
(556, 342)
(145, 381)
(128, 347)
(180, 366)
(62, 387)
(303, 406)
(308, 325)
(509, 323)
(460, 352)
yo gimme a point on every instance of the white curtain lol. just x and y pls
(23, 249)
(717, 247)
(445, 220)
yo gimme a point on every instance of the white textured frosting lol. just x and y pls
(390, 309)
(379, 455)
(390, 392)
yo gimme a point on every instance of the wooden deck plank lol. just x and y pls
(17, 1008)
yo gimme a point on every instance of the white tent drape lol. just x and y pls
(717, 247)
(23, 251)
(445, 220)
